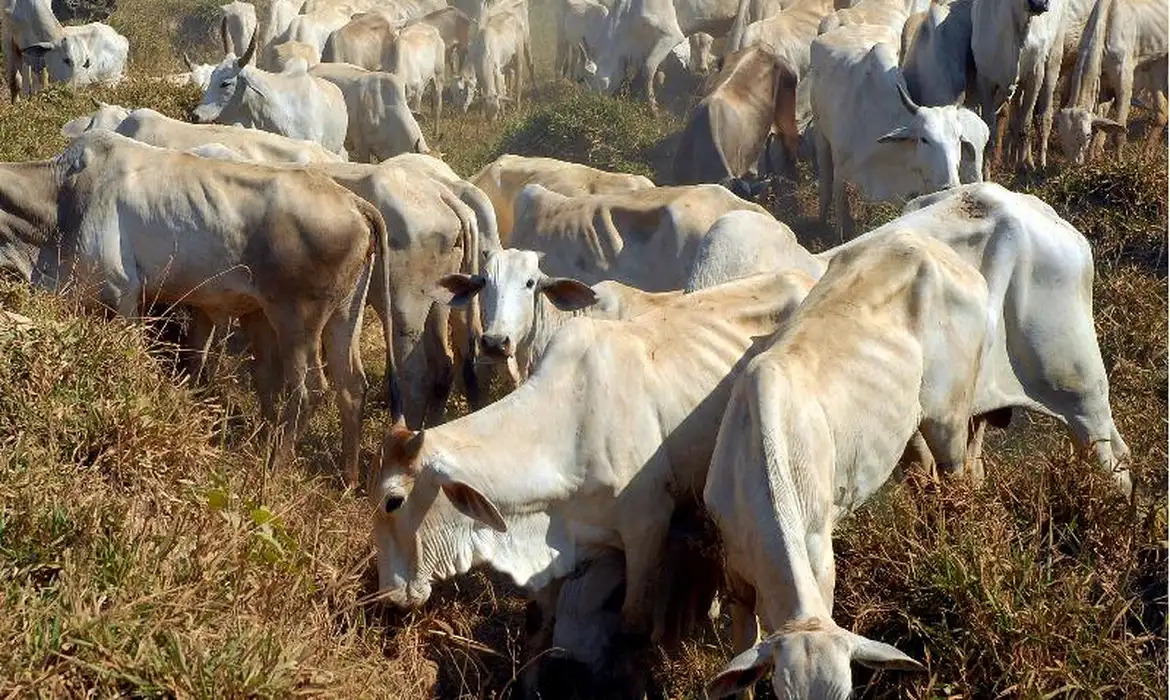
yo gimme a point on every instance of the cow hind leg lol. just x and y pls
(1093, 427)
(300, 336)
(343, 365)
(440, 363)
(266, 371)
(824, 177)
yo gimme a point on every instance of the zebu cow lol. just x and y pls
(502, 179)
(380, 122)
(790, 33)
(613, 441)
(237, 26)
(1123, 50)
(280, 57)
(501, 41)
(900, 149)
(728, 130)
(936, 54)
(314, 28)
(889, 340)
(29, 30)
(293, 104)
(87, 54)
(106, 117)
(418, 56)
(744, 243)
(123, 222)
(1039, 270)
(363, 41)
(455, 27)
(578, 27)
(280, 15)
(886, 13)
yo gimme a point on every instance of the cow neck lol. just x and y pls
(29, 196)
(518, 453)
(546, 321)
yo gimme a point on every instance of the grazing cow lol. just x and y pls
(579, 27)
(501, 40)
(380, 123)
(889, 341)
(638, 34)
(788, 34)
(749, 12)
(280, 57)
(237, 26)
(1123, 47)
(1039, 270)
(293, 104)
(29, 30)
(521, 319)
(418, 56)
(612, 441)
(280, 15)
(502, 179)
(645, 239)
(123, 222)
(999, 30)
(900, 149)
(363, 41)
(754, 94)
(87, 54)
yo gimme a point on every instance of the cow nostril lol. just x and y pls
(495, 344)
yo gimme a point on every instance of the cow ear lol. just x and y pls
(902, 133)
(881, 656)
(742, 672)
(463, 287)
(38, 49)
(1107, 125)
(473, 504)
(567, 294)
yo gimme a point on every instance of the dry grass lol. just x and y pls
(145, 551)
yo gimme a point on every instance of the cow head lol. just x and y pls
(1037, 7)
(510, 288)
(463, 89)
(1076, 126)
(199, 73)
(418, 533)
(808, 659)
(226, 87)
(931, 140)
(106, 117)
(69, 61)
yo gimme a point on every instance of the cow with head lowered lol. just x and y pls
(292, 103)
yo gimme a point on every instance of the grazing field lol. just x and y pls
(146, 551)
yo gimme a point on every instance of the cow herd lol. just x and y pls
(668, 348)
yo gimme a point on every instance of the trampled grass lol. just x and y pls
(145, 550)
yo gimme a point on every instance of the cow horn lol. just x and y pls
(907, 101)
(243, 60)
(223, 36)
(187, 60)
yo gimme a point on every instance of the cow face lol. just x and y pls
(426, 517)
(1076, 126)
(226, 86)
(808, 659)
(70, 62)
(931, 143)
(106, 117)
(510, 289)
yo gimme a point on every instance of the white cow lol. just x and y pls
(613, 440)
(87, 54)
(886, 13)
(936, 54)
(418, 56)
(999, 30)
(744, 243)
(788, 34)
(1040, 272)
(578, 28)
(280, 15)
(380, 123)
(501, 41)
(640, 33)
(293, 104)
(237, 26)
(198, 74)
(503, 178)
(889, 341)
(314, 28)
(281, 56)
(29, 30)
(1123, 51)
(900, 149)
(107, 117)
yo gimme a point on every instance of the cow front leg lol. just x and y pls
(539, 624)
(343, 365)
(643, 546)
(650, 67)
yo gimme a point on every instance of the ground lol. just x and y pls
(145, 550)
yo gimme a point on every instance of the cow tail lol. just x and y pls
(1085, 87)
(382, 265)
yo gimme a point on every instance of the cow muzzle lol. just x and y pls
(495, 348)
(1037, 7)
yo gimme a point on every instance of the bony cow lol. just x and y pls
(889, 342)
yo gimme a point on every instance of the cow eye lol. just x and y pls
(393, 502)
(922, 139)
(530, 284)
(86, 65)
(226, 84)
(68, 61)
